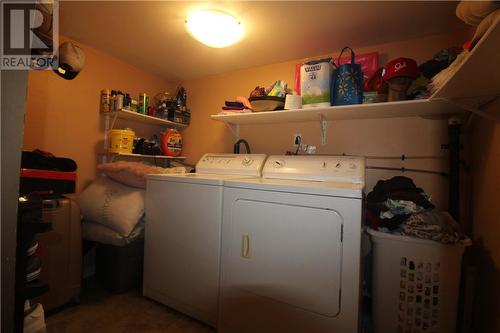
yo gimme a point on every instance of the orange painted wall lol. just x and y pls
(484, 144)
(360, 137)
(62, 116)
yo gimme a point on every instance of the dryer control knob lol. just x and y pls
(247, 161)
(278, 164)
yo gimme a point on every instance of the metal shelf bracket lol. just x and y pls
(475, 110)
(235, 129)
(323, 123)
(109, 124)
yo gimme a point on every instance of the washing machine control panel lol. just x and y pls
(231, 164)
(346, 169)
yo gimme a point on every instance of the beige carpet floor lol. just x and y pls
(102, 312)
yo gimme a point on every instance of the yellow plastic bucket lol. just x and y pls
(121, 140)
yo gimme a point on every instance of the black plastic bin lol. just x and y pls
(119, 268)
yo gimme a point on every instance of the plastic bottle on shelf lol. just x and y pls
(119, 100)
(112, 100)
(134, 105)
(105, 100)
(126, 101)
(143, 103)
(171, 143)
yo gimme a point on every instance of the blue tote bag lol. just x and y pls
(347, 82)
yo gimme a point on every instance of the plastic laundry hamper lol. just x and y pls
(415, 284)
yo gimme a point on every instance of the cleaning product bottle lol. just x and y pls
(105, 102)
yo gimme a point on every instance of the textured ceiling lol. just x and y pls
(152, 35)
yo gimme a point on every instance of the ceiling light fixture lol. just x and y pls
(214, 28)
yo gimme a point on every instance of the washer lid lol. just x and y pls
(231, 164)
(341, 169)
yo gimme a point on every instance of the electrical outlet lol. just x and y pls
(297, 139)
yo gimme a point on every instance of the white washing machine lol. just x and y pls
(291, 247)
(183, 233)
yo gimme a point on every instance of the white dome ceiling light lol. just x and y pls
(215, 28)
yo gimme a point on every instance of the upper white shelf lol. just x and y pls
(477, 76)
(139, 117)
(413, 108)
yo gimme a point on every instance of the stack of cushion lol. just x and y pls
(113, 205)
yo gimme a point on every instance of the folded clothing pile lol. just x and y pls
(39, 159)
(434, 225)
(44, 173)
(392, 201)
(239, 105)
(399, 207)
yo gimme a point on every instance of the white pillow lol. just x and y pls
(98, 233)
(112, 204)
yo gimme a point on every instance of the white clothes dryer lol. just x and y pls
(291, 247)
(183, 233)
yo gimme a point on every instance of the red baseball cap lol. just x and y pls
(401, 67)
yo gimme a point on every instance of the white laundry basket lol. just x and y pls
(415, 284)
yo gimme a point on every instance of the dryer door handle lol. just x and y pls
(245, 245)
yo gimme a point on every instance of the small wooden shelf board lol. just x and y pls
(148, 156)
(139, 117)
